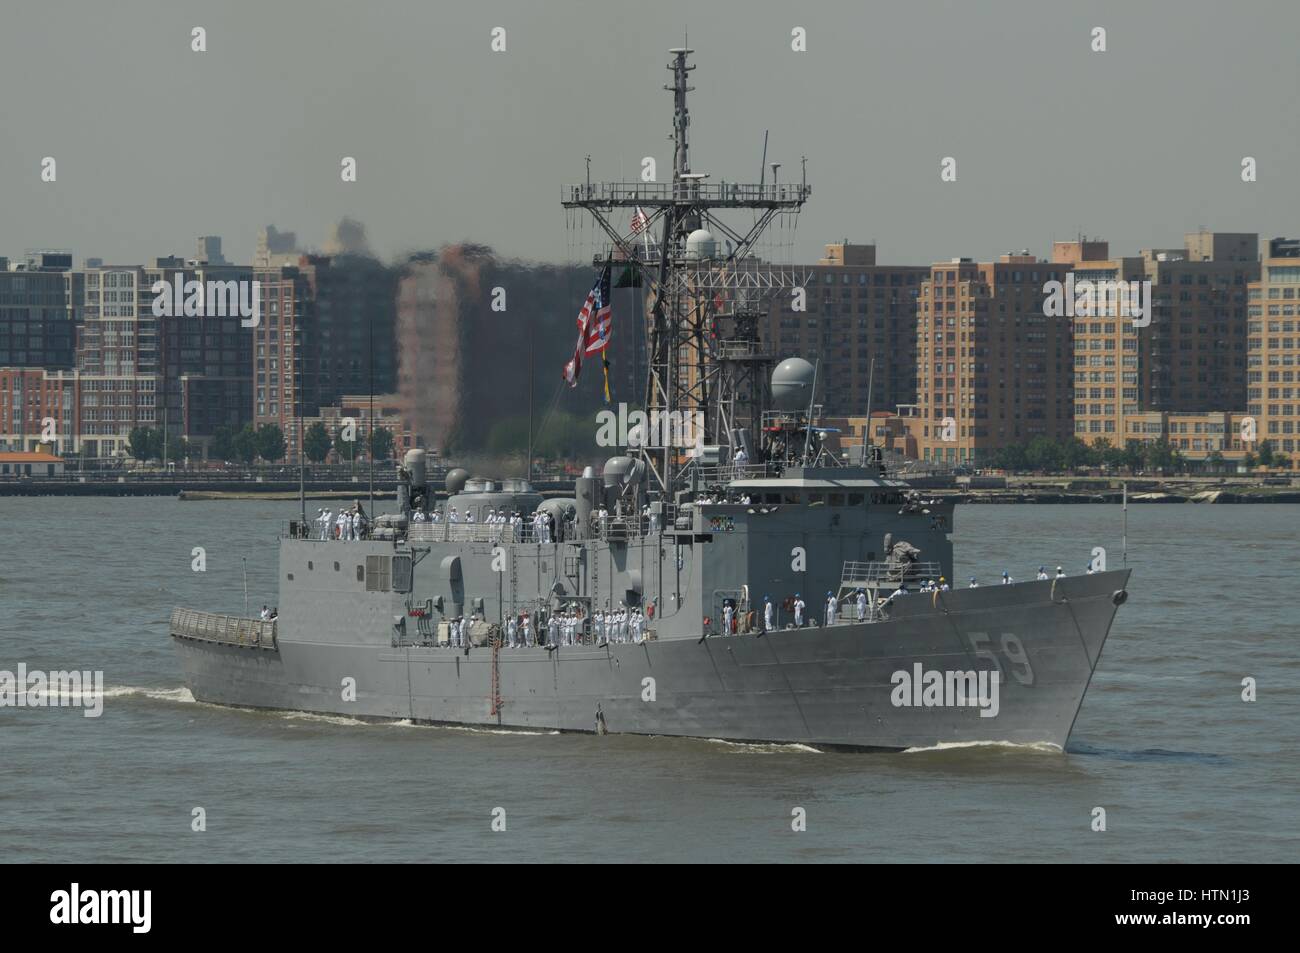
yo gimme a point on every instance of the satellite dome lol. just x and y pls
(792, 383)
(701, 244)
(456, 480)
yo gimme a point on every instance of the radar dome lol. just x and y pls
(456, 480)
(701, 244)
(792, 384)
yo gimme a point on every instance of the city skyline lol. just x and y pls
(1144, 156)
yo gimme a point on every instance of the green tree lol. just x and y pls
(316, 442)
(1132, 458)
(270, 443)
(346, 449)
(144, 443)
(245, 444)
(1158, 455)
(223, 443)
(179, 449)
(1010, 458)
(1265, 454)
(380, 443)
(1075, 454)
(1043, 453)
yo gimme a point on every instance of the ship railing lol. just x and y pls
(726, 472)
(876, 575)
(631, 526)
(226, 629)
(443, 531)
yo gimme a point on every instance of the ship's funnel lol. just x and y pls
(792, 385)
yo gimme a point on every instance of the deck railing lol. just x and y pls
(878, 574)
(227, 629)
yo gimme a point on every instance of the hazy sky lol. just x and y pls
(156, 144)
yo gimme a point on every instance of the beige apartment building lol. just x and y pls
(1274, 350)
(992, 368)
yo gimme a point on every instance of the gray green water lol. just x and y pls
(1185, 770)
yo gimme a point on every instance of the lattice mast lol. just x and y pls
(692, 283)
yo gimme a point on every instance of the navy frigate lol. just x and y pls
(678, 591)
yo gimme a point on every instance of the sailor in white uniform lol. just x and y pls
(512, 633)
(973, 583)
(862, 606)
(768, 614)
(832, 607)
(1006, 578)
(527, 631)
(327, 523)
(799, 606)
(726, 618)
(1042, 573)
(1060, 573)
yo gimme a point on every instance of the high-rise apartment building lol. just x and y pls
(992, 368)
(1274, 351)
(859, 322)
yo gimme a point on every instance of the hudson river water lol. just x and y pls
(1184, 768)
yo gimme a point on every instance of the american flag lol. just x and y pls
(639, 221)
(595, 322)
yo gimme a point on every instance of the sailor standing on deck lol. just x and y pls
(727, 612)
(1060, 573)
(799, 606)
(741, 460)
(1042, 572)
(553, 631)
(527, 638)
(832, 607)
(342, 524)
(326, 522)
(512, 632)
(768, 613)
(1006, 578)
(862, 606)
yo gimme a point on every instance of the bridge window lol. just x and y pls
(836, 499)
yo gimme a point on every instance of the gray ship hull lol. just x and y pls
(1037, 645)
